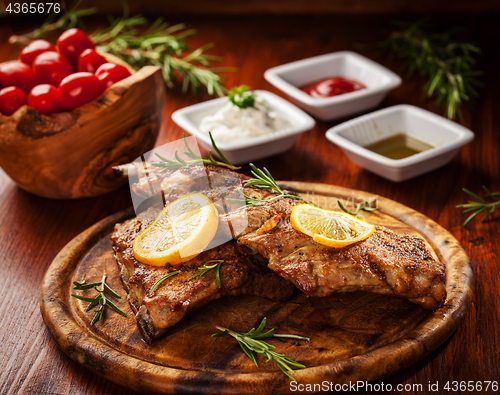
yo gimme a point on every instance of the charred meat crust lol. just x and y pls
(239, 274)
(385, 263)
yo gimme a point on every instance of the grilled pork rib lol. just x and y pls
(384, 263)
(239, 274)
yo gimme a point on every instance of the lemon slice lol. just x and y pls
(331, 228)
(180, 232)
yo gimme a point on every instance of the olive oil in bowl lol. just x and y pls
(398, 146)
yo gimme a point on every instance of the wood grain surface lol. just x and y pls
(352, 335)
(296, 6)
(33, 230)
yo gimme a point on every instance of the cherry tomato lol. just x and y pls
(17, 74)
(44, 99)
(89, 61)
(109, 73)
(11, 99)
(33, 49)
(51, 68)
(72, 43)
(77, 89)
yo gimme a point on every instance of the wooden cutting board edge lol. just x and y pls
(81, 346)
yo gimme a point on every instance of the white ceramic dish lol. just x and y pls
(253, 149)
(444, 135)
(377, 79)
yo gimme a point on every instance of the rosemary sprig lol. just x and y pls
(241, 97)
(251, 344)
(161, 281)
(173, 164)
(447, 64)
(100, 299)
(263, 180)
(365, 206)
(67, 21)
(206, 268)
(480, 205)
(139, 42)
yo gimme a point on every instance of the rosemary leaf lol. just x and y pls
(173, 164)
(161, 281)
(115, 307)
(263, 180)
(100, 299)
(480, 205)
(84, 298)
(83, 286)
(206, 268)
(445, 62)
(251, 345)
(224, 159)
(111, 292)
(365, 206)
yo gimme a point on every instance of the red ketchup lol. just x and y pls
(332, 87)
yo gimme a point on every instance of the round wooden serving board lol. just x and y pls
(354, 336)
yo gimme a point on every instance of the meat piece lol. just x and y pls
(384, 263)
(239, 274)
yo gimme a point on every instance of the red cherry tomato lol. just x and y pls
(89, 61)
(17, 74)
(44, 99)
(77, 89)
(109, 73)
(51, 68)
(11, 99)
(33, 49)
(72, 43)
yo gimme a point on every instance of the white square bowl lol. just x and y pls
(445, 136)
(377, 79)
(245, 151)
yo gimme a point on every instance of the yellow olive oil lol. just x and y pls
(398, 146)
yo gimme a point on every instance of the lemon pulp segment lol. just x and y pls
(181, 231)
(331, 228)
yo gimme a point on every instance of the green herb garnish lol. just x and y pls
(100, 299)
(480, 205)
(139, 42)
(173, 164)
(206, 268)
(365, 206)
(263, 180)
(241, 97)
(251, 344)
(161, 281)
(447, 64)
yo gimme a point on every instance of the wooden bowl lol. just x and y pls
(70, 155)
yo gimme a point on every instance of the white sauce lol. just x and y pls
(232, 124)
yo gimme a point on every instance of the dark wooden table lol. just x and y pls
(33, 230)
